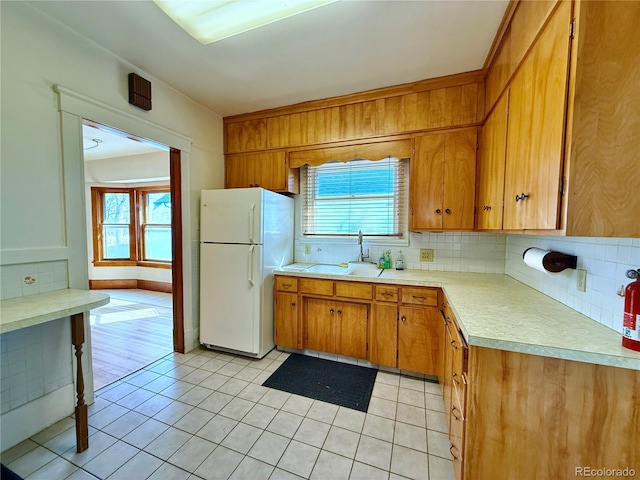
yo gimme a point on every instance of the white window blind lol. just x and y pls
(342, 198)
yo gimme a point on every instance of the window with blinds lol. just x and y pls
(343, 198)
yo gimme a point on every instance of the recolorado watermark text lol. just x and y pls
(605, 472)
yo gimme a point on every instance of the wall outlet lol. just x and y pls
(307, 249)
(426, 254)
(581, 284)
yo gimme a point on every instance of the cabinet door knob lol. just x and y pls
(522, 196)
(331, 311)
(438, 211)
(447, 210)
(404, 319)
(293, 304)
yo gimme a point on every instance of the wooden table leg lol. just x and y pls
(82, 421)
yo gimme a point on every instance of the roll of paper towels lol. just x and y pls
(548, 261)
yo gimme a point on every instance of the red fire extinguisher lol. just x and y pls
(631, 320)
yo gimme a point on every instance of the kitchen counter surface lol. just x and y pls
(23, 312)
(497, 311)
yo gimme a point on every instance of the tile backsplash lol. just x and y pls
(605, 259)
(453, 251)
(24, 279)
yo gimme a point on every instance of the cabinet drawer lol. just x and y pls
(354, 290)
(420, 296)
(287, 284)
(386, 294)
(317, 287)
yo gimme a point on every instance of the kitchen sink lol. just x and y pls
(361, 269)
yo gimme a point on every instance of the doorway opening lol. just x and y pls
(135, 251)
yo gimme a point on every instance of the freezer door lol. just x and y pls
(231, 216)
(230, 286)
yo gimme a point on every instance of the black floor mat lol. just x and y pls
(338, 383)
(6, 474)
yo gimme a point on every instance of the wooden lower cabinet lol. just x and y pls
(533, 417)
(420, 334)
(286, 320)
(383, 343)
(336, 327)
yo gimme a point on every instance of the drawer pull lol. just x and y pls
(454, 344)
(453, 413)
(419, 297)
(455, 379)
(286, 285)
(387, 294)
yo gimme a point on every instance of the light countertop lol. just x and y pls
(23, 312)
(497, 311)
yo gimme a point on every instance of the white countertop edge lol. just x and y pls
(22, 312)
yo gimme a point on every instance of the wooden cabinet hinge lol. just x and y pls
(572, 28)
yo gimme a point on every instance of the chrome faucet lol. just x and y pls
(362, 256)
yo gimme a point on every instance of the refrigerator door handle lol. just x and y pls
(252, 210)
(251, 265)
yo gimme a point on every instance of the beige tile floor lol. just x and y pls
(205, 415)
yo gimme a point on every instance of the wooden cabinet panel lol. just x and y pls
(383, 337)
(385, 293)
(426, 183)
(246, 135)
(442, 190)
(316, 287)
(420, 333)
(288, 284)
(491, 164)
(354, 290)
(535, 133)
(459, 180)
(548, 407)
(351, 329)
(319, 318)
(268, 170)
(286, 320)
(420, 296)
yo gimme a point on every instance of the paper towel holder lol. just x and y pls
(556, 261)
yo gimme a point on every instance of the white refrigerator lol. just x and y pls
(245, 233)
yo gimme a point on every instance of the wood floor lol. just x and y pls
(132, 331)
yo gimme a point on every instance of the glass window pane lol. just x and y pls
(115, 240)
(158, 207)
(157, 243)
(117, 208)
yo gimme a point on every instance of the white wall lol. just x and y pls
(605, 259)
(42, 184)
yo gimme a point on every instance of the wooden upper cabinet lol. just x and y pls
(604, 148)
(535, 131)
(268, 170)
(442, 190)
(491, 162)
(244, 136)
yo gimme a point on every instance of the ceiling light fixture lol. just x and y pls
(211, 20)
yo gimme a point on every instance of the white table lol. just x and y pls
(24, 312)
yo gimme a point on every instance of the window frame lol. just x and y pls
(399, 238)
(136, 243)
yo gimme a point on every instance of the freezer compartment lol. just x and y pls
(232, 215)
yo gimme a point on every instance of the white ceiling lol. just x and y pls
(112, 143)
(341, 48)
